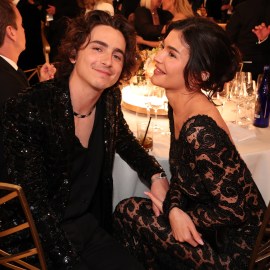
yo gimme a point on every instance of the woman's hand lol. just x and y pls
(183, 228)
(47, 72)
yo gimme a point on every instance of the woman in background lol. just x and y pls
(213, 210)
(180, 9)
(150, 22)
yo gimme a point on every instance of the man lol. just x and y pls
(60, 140)
(56, 13)
(245, 17)
(12, 43)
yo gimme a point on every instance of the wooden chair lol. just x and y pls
(260, 258)
(14, 261)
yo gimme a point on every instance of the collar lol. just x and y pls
(12, 63)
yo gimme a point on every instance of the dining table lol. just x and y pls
(252, 143)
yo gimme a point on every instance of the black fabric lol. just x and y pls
(39, 133)
(79, 220)
(144, 23)
(246, 16)
(104, 253)
(33, 55)
(55, 30)
(11, 83)
(213, 186)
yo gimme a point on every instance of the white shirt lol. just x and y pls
(12, 63)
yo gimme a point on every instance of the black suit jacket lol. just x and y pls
(239, 28)
(11, 83)
(41, 121)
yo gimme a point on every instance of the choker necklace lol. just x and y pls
(82, 115)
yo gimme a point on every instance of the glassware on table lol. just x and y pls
(145, 134)
(155, 101)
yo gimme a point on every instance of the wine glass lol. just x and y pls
(155, 100)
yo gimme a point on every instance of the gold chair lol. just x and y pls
(14, 261)
(33, 74)
(45, 44)
(260, 258)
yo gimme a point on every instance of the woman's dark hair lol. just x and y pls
(8, 17)
(79, 31)
(211, 52)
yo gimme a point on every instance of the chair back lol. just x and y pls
(33, 74)
(14, 261)
(260, 258)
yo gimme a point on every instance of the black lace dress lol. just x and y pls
(213, 185)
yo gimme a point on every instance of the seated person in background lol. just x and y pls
(12, 43)
(213, 210)
(213, 9)
(128, 7)
(33, 55)
(245, 17)
(74, 127)
(150, 21)
(180, 9)
(59, 11)
(89, 5)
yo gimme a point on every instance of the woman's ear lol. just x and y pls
(205, 76)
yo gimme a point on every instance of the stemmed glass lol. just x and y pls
(243, 94)
(155, 100)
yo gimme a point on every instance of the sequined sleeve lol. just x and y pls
(23, 132)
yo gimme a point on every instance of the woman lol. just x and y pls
(213, 209)
(180, 9)
(150, 22)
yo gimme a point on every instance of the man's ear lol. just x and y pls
(11, 32)
(73, 56)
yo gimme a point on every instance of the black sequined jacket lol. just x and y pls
(38, 140)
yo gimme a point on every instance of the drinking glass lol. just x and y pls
(155, 101)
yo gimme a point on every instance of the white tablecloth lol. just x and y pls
(253, 145)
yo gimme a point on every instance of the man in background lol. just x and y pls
(12, 43)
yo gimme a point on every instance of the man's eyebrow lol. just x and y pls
(104, 44)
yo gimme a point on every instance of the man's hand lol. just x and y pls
(261, 31)
(159, 189)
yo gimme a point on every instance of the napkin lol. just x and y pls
(239, 133)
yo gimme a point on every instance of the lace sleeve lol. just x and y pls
(222, 173)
